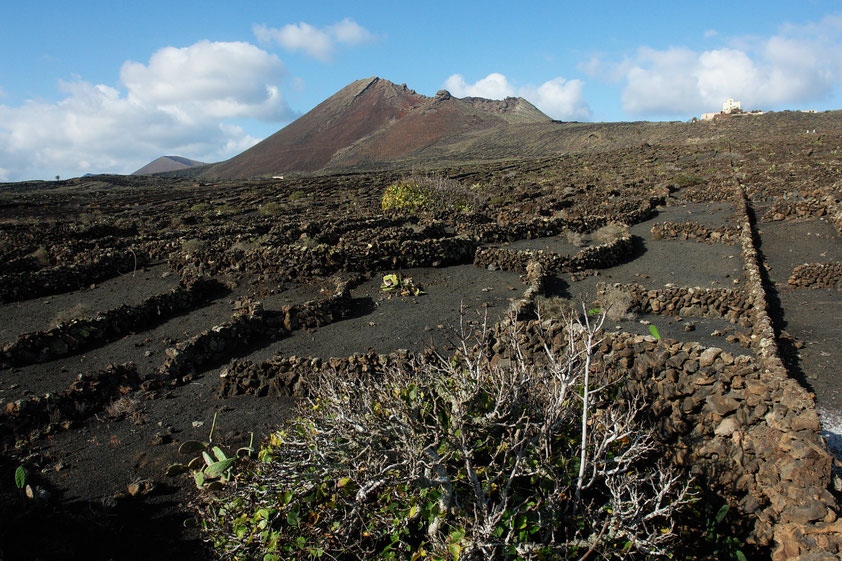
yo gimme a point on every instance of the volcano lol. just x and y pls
(371, 121)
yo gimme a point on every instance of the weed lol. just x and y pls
(554, 307)
(271, 208)
(297, 195)
(687, 180)
(201, 208)
(125, 407)
(79, 311)
(193, 245)
(617, 303)
(610, 233)
(576, 239)
(42, 256)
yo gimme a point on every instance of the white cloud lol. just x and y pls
(315, 42)
(798, 65)
(493, 86)
(177, 104)
(558, 98)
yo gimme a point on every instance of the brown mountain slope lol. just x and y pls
(167, 163)
(369, 121)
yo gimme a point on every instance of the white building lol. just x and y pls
(730, 105)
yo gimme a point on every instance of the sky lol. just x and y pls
(108, 86)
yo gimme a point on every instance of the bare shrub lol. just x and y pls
(553, 307)
(617, 303)
(79, 311)
(459, 460)
(125, 407)
(42, 256)
(193, 245)
(243, 246)
(610, 233)
(576, 239)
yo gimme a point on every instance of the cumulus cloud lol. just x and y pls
(558, 98)
(800, 64)
(315, 42)
(177, 104)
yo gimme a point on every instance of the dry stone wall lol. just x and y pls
(729, 304)
(695, 232)
(57, 280)
(596, 257)
(817, 275)
(250, 322)
(79, 335)
(25, 418)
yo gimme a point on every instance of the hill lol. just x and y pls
(167, 163)
(368, 122)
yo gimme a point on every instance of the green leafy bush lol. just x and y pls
(201, 208)
(271, 209)
(452, 459)
(428, 192)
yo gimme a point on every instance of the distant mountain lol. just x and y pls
(372, 121)
(167, 163)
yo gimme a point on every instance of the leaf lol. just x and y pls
(654, 331)
(208, 460)
(220, 455)
(343, 481)
(721, 514)
(740, 555)
(20, 477)
(175, 469)
(218, 468)
(199, 477)
(191, 447)
(293, 519)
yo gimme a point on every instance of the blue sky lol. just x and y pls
(109, 86)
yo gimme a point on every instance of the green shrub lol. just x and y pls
(271, 208)
(428, 192)
(687, 180)
(201, 208)
(193, 245)
(405, 195)
(453, 459)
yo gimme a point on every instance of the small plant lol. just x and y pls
(42, 256)
(396, 284)
(617, 303)
(201, 208)
(654, 331)
(297, 195)
(554, 307)
(193, 245)
(576, 239)
(271, 208)
(610, 233)
(687, 180)
(210, 466)
(79, 311)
